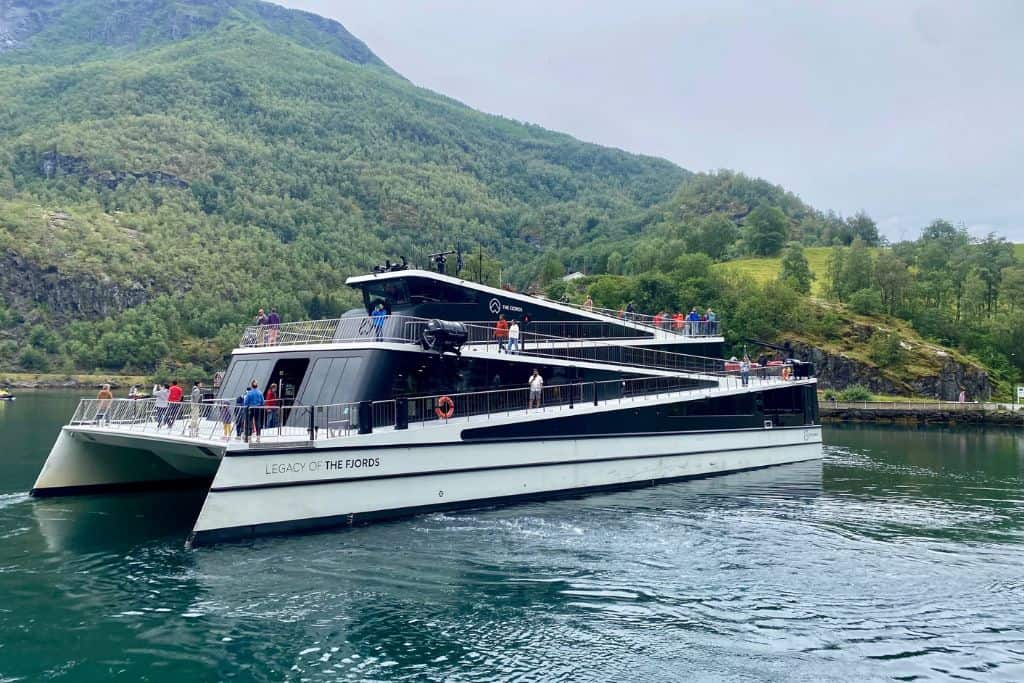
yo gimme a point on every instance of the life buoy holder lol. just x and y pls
(445, 407)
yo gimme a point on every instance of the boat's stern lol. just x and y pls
(105, 456)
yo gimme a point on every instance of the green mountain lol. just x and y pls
(168, 166)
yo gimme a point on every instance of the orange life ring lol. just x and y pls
(786, 372)
(445, 407)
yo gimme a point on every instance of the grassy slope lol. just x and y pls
(923, 358)
(765, 269)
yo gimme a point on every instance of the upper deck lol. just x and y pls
(412, 297)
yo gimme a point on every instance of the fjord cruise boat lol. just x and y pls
(419, 409)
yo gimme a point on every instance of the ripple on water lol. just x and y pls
(770, 575)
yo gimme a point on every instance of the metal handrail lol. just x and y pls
(686, 328)
(406, 329)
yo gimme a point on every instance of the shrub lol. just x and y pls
(855, 392)
(886, 349)
(34, 359)
(866, 302)
(831, 395)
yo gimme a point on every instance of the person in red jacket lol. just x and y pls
(501, 332)
(270, 401)
(173, 403)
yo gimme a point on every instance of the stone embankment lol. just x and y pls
(998, 414)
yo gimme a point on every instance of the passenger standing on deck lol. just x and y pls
(630, 311)
(745, 370)
(253, 403)
(105, 399)
(501, 332)
(261, 322)
(174, 395)
(536, 388)
(197, 400)
(160, 394)
(270, 401)
(274, 323)
(240, 414)
(226, 418)
(513, 337)
(588, 305)
(378, 316)
(712, 327)
(692, 321)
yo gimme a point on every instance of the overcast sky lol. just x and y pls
(910, 110)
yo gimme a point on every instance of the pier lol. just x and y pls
(923, 412)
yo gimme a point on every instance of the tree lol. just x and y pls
(1012, 288)
(795, 270)
(993, 254)
(892, 278)
(654, 292)
(713, 235)
(551, 270)
(850, 270)
(767, 230)
(614, 266)
(861, 226)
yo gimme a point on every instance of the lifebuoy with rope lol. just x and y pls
(445, 407)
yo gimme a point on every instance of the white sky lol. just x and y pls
(908, 109)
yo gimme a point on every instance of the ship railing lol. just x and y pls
(393, 328)
(408, 329)
(685, 328)
(224, 420)
(602, 351)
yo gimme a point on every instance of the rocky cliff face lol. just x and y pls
(52, 164)
(20, 20)
(839, 371)
(67, 296)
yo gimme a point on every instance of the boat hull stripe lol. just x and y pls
(501, 439)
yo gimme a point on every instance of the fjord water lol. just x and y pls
(901, 556)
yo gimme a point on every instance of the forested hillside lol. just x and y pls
(168, 166)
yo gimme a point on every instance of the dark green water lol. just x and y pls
(899, 557)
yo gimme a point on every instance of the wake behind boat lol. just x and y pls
(419, 401)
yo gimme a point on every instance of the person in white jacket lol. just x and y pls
(513, 337)
(160, 394)
(536, 388)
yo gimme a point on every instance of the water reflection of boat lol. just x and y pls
(6, 395)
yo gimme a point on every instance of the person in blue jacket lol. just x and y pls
(693, 321)
(253, 403)
(378, 316)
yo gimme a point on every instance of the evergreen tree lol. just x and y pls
(794, 269)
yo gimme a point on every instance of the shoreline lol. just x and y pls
(24, 380)
(935, 414)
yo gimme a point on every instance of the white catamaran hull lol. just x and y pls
(258, 492)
